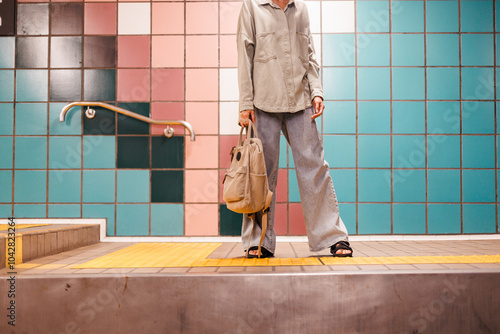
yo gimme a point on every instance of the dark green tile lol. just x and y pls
(230, 222)
(167, 152)
(65, 85)
(103, 122)
(66, 18)
(131, 126)
(33, 19)
(167, 186)
(66, 52)
(133, 152)
(99, 85)
(32, 52)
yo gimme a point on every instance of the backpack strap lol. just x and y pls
(263, 234)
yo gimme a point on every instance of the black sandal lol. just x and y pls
(265, 253)
(341, 245)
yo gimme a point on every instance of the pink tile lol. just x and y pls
(280, 220)
(282, 186)
(202, 85)
(57, 1)
(133, 85)
(202, 18)
(172, 111)
(228, 51)
(202, 51)
(133, 51)
(203, 152)
(167, 84)
(168, 51)
(204, 117)
(222, 172)
(226, 144)
(86, 0)
(296, 224)
(168, 18)
(202, 186)
(229, 13)
(201, 219)
(100, 19)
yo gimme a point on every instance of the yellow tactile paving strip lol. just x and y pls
(5, 227)
(168, 255)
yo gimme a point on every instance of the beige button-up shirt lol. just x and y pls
(277, 66)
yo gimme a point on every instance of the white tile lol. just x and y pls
(313, 7)
(134, 18)
(229, 84)
(317, 47)
(228, 118)
(338, 16)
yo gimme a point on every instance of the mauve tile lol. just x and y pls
(167, 84)
(202, 186)
(203, 116)
(168, 51)
(66, 18)
(226, 145)
(296, 224)
(229, 13)
(202, 51)
(282, 186)
(201, 219)
(168, 18)
(100, 18)
(133, 85)
(202, 18)
(202, 85)
(171, 111)
(133, 51)
(33, 19)
(100, 51)
(32, 52)
(228, 51)
(280, 219)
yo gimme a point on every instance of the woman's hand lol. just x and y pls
(318, 107)
(245, 115)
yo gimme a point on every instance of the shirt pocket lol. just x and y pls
(302, 43)
(265, 47)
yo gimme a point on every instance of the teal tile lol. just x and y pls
(167, 152)
(407, 16)
(283, 152)
(408, 50)
(131, 126)
(32, 85)
(409, 185)
(348, 215)
(478, 185)
(30, 186)
(408, 117)
(408, 151)
(98, 186)
(477, 50)
(478, 151)
(374, 218)
(106, 211)
(408, 83)
(99, 152)
(443, 185)
(7, 116)
(132, 219)
(132, 186)
(443, 117)
(497, 37)
(374, 83)
(338, 50)
(339, 83)
(65, 186)
(291, 162)
(293, 186)
(230, 222)
(479, 218)
(497, 15)
(374, 151)
(344, 181)
(478, 117)
(340, 150)
(6, 186)
(374, 185)
(443, 83)
(133, 152)
(374, 117)
(443, 151)
(408, 218)
(167, 219)
(64, 211)
(339, 117)
(476, 16)
(72, 124)
(441, 16)
(31, 118)
(6, 85)
(5, 210)
(65, 152)
(443, 50)
(167, 186)
(7, 52)
(6, 147)
(498, 152)
(372, 16)
(31, 152)
(477, 83)
(443, 218)
(99, 85)
(373, 49)
(30, 210)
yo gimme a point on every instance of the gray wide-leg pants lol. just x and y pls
(319, 203)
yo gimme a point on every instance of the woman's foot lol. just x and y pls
(253, 252)
(341, 249)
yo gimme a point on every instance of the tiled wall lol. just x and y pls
(410, 126)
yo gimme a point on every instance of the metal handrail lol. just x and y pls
(90, 113)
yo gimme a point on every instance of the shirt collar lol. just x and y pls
(270, 2)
